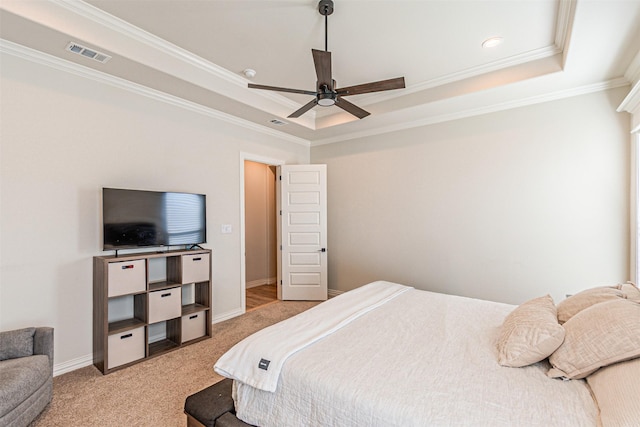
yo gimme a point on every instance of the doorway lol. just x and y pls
(260, 238)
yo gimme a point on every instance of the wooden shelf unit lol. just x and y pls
(123, 291)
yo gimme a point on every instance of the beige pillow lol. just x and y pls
(575, 303)
(598, 336)
(631, 291)
(530, 333)
(617, 391)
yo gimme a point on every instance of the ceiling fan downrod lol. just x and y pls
(325, 7)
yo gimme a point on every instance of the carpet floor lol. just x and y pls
(152, 393)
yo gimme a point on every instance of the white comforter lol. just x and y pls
(421, 359)
(258, 359)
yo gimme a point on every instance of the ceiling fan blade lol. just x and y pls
(282, 89)
(351, 108)
(322, 61)
(306, 107)
(397, 83)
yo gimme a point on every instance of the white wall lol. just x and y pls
(506, 206)
(63, 138)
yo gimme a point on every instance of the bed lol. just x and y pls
(387, 354)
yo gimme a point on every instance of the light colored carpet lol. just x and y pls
(152, 393)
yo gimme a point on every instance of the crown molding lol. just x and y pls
(564, 24)
(94, 14)
(130, 31)
(532, 100)
(631, 103)
(633, 71)
(124, 28)
(41, 58)
(512, 61)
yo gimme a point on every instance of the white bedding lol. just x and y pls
(258, 359)
(421, 359)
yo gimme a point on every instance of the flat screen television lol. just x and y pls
(138, 218)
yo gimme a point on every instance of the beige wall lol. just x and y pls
(260, 223)
(63, 138)
(505, 206)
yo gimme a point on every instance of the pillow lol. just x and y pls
(575, 303)
(616, 389)
(18, 343)
(631, 291)
(530, 333)
(598, 336)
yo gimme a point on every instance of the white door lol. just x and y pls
(301, 194)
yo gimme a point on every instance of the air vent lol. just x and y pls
(277, 122)
(86, 52)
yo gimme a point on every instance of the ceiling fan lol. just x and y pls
(326, 93)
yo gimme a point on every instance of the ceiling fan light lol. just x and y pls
(326, 99)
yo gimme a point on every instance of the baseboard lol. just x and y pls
(72, 365)
(228, 315)
(334, 292)
(260, 282)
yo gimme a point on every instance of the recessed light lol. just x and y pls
(492, 42)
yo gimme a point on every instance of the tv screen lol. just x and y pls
(136, 218)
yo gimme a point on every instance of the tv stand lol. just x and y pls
(147, 304)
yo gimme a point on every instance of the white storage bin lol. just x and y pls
(165, 305)
(127, 277)
(195, 268)
(194, 326)
(126, 347)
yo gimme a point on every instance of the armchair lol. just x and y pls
(26, 374)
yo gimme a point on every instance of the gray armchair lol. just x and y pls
(26, 374)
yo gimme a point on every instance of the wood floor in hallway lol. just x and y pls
(261, 295)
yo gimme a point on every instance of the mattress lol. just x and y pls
(421, 358)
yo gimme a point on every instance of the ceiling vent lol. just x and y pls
(277, 122)
(86, 52)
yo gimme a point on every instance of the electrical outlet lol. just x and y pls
(226, 229)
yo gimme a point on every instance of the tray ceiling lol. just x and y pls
(195, 51)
